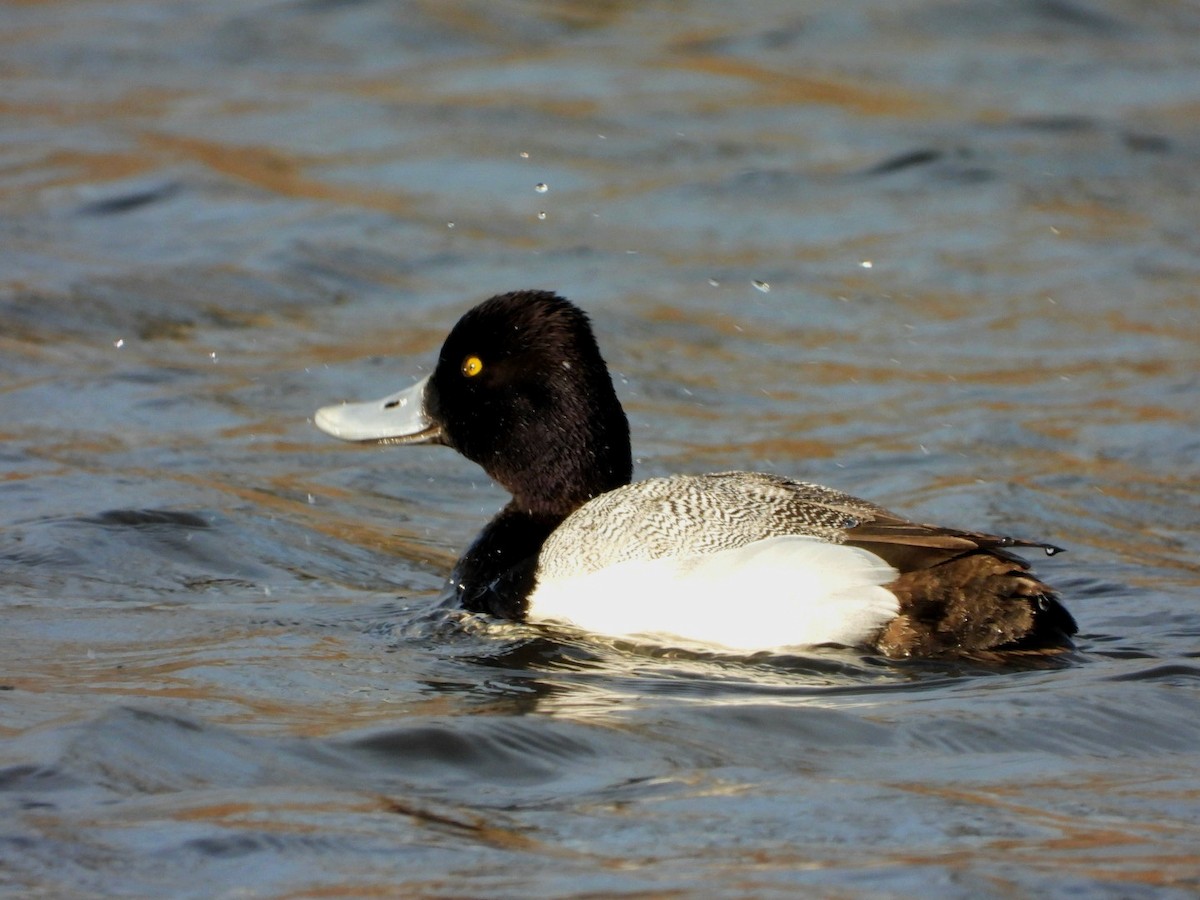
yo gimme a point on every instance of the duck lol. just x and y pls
(730, 561)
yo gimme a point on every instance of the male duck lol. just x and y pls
(738, 560)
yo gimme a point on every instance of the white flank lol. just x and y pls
(779, 592)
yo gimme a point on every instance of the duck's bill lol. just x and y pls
(396, 419)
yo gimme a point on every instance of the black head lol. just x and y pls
(520, 388)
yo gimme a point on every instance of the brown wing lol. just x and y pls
(963, 592)
(910, 546)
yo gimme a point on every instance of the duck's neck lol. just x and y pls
(554, 460)
(557, 448)
(561, 494)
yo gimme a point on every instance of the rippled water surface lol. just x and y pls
(973, 228)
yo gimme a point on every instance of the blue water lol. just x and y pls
(223, 668)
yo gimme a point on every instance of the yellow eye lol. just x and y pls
(472, 366)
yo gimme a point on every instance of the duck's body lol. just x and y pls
(738, 560)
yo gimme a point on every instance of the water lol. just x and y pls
(223, 669)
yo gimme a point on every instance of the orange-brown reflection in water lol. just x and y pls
(279, 173)
(1163, 848)
(774, 87)
(233, 671)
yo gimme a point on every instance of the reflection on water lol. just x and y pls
(224, 661)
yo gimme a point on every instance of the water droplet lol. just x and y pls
(542, 214)
(213, 356)
(763, 286)
(267, 590)
(449, 224)
(867, 264)
(524, 155)
(541, 187)
(119, 343)
(714, 283)
(312, 501)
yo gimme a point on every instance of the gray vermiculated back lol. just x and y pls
(692, 515)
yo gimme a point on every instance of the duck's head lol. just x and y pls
(519, 388)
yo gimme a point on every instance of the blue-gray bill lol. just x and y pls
(399, 418)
